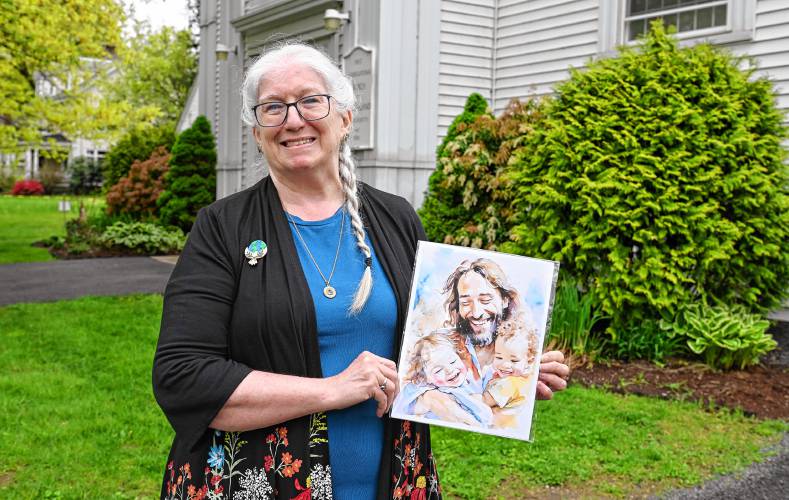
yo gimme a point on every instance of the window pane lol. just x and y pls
(686, 20)
(670, 20)
(704, 19)
(637, 7)
(720, 15)
(667, 4)
(636, 28)
(693, 2)
(654, 5)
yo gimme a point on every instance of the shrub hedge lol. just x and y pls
(136, 145)
(442, 210)
(471, 174)
(656, 178)
(85, 175)
(137, 192)
(27, 187)
(190, 184)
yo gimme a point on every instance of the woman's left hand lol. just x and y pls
(553, 374)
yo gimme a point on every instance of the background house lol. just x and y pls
(416, 61)
(56, 150)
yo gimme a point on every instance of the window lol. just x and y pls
(697, 16)
(714, 21)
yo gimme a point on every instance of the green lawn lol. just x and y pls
(78, 420)
(26, 219)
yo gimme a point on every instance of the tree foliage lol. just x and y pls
(55, 45)
(153, 73)
(657, 180)
(191, 182)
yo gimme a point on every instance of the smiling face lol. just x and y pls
(480, 306)
(443, 367)
(511, 356)
(298, 145)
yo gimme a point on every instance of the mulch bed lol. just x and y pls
(761, 391)
(93, 253)
(63, 253)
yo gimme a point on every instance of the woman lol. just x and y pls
(284, 312)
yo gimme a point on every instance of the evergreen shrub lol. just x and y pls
(137, 192)
(190, 184)
(470, 199)
(656, 178)
(85, 175)
(136, 145)
(51, 177)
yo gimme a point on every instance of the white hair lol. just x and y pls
(339, 86)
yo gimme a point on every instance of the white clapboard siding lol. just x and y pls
(536, 44)
(465, 55)
(770, 47)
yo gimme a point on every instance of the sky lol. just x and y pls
(161, 13)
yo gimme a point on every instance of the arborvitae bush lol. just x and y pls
(191, 182)
(442, 211)
(137, 145)
(657, 180)
(136, 193)
(471, 173)
(85, 175)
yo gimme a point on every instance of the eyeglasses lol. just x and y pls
(310, 108)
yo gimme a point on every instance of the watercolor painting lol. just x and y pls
(474, 334)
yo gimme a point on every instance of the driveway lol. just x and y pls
(70, 279)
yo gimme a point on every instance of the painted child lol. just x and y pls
(434, 365)
(515, 352)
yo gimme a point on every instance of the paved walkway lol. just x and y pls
(70, 279)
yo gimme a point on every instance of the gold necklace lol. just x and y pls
(328, 291)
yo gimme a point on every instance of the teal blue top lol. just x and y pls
(356, 433)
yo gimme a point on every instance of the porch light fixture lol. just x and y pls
(222, 51)
(333, 19)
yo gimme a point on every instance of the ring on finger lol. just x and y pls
(383, 386)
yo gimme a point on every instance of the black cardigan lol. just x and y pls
(223, 318)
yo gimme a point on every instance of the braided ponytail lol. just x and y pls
(348, 181)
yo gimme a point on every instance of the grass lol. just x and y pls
(27, 219)
(591, 443)
(78, 420)
(77, 415)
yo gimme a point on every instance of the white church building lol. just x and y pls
(414, 63)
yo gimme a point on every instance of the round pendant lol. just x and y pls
(329, 292)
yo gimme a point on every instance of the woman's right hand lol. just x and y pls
(362, 380)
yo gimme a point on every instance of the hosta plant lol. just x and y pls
(725, 337)
(144, 237)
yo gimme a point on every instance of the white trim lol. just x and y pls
(741, 15)
(415, 165)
